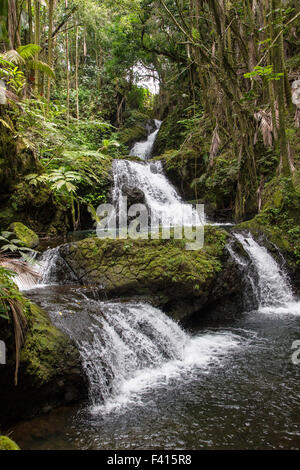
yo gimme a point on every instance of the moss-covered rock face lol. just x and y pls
(171, 133)
(25, 234)
(182, 281)
(49, 373)
(7, 444)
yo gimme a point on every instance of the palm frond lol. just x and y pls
(20, 323)
(41, 66)
(14, 57)
(28, 51)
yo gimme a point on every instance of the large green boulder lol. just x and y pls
(25, 234)
(181, 281)
(7, 444)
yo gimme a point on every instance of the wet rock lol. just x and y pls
(48, 361)
(182, 282)
(153, 168)
(134, 195)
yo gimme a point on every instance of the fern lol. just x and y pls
(28, 51)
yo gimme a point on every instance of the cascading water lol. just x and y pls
(144, 149)
(269, 282)
(161, 197)
(134, 355)
(127, 348)
(54, 269)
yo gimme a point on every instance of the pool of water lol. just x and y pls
(240, 393)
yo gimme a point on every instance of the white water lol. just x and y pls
(160, 196)
(135, 347)
(167, 207)
(270, 285)
(26, 281)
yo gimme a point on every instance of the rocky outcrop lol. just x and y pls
(182, 282)
(134, 195)
(49, 373)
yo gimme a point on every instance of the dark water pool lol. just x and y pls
(246, 397)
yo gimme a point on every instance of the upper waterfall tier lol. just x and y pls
(144, 149)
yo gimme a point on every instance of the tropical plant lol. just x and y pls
(12, 307)
(14, 245)
(24, 56)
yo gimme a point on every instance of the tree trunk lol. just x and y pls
(67, 72)
(12, 25)
(50, 45)
(37, 41)
(29, 5)
(279, 86)
(76, 74)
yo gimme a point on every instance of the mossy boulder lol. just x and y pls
(50, 368)
(181, 281)
(7, 444)
(25, 234)
(171, 133)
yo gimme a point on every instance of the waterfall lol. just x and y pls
(166, 205)
(127, 348)
(160, 196)
(50, 268)
(268, 280)
(54, 269)
(144, 149)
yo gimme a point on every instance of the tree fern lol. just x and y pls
(28, 51)
(41, 66)
(24, 55)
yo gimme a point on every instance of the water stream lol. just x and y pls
(230, 384)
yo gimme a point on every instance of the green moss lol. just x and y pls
(25, 234)
(7, 444)
(45, 346)
(293, 63)
(142, 266)
(128, 136)
(279, 219)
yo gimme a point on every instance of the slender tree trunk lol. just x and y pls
(12, 25)
(279, 87)
(37, 40)
(68, 72)
(29, 5)
(50, 45)
(76, 73)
